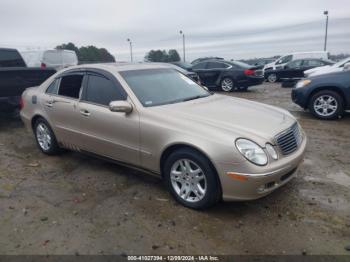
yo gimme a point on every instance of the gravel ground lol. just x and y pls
(75, 204)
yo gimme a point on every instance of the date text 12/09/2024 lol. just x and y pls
(173, 258)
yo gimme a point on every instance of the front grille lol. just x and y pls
(289, 140)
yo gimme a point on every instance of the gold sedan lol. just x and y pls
(205, 146)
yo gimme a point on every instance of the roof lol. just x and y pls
(118, 67)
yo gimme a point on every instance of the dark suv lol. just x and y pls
(227, 76)
(326, 96)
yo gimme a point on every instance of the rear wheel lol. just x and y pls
(272, 78)
(227, 84)
(326, 105)
(45, 137)
(191, 180)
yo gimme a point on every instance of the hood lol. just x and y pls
(327, 70)
(231, 115)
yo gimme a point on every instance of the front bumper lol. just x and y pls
(259, 181)
(299, 96)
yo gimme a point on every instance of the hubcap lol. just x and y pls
(227, 84)
(325, 105)
(272, 78)
(43, 136)
(188, 180)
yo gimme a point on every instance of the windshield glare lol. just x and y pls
(162, 86)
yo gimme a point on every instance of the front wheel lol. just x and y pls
(191, 179)
(326, 105)
(227, 84)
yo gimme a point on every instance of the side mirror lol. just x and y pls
(346, 67)
(120, 106)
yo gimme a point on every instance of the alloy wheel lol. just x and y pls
(325, 105)
(188, 180)
(227, 85)
(44, 136)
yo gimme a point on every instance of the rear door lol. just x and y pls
(110, 134)
(213, 72)
(61, 105)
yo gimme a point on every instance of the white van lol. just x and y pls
(283, 60)
(57, 59)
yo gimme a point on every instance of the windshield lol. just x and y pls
(155, 87)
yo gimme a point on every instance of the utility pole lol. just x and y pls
(325, 38)
(183, 45)
(130, 49)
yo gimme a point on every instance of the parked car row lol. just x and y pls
(294, 70)
(219, 74)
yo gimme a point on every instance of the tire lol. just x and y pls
(198, 193)
(227, 84)
(45, 138)
(272, 78)
(326, 105)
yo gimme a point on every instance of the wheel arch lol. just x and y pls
(336, 89)
(34, 119)
(173, 147)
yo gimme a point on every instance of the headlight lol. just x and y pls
(271, 150)
(303, 83)
(251, 151)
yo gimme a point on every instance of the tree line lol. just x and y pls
(89, 54)
(162, 56)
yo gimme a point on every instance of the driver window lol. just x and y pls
(285, 59)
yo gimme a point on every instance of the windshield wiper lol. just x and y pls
(193, 98)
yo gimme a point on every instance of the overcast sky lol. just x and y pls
(227, 28)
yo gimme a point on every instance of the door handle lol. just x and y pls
(84, 112)
(49, 103)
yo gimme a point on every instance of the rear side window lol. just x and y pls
(101, 90)
(215, 65)
(70, 86)
(53, 88)
(313, 63)
(295, 63)
(11, 58)
(200, 66)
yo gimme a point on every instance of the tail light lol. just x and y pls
(249, 72)
(43, 66)
(21, 103)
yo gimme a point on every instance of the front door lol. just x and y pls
(111, 134)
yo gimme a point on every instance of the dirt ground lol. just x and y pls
(75, 204)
